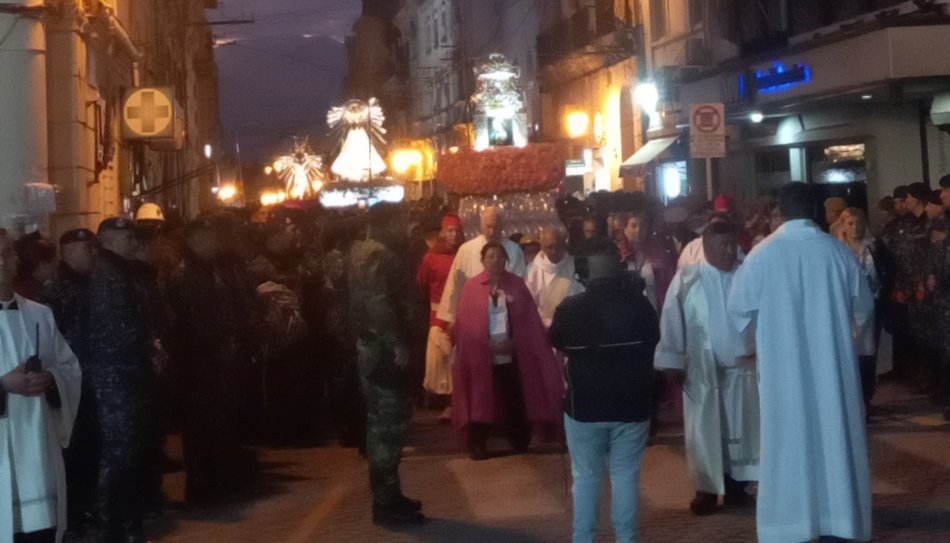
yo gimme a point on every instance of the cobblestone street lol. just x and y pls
(309, 495)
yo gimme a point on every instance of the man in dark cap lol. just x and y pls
(905, 245)
(68, 297)
(210, 334)
(119, 367)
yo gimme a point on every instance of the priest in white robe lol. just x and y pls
(693, 252)
(804, 290)
(699, 338)
(550, 275)
(39, 395)
(468, 261)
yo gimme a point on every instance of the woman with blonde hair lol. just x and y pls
(853, 231)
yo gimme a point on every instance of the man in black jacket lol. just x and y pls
(608, 334)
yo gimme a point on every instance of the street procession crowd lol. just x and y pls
(766, 324)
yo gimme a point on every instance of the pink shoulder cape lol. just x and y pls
(542, 377)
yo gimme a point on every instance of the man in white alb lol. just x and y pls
(39, 395)
(804, 291)
(468, 261)
(701, 341)
(551, 275)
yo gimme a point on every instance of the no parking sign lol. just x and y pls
(707, 130)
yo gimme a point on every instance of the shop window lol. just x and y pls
(672, 181)
(772, 170)
(837, 164)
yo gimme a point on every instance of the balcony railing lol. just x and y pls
(578, 31)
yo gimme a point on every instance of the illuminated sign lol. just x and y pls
(777, 79)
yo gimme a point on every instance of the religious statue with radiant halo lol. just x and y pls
(360, 126)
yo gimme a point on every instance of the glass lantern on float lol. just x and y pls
(500, 118)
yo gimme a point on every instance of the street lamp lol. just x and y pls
(756, 117)
(227, 193)
(403, 160)
(208, 151)
(577, 124)
(647, 97)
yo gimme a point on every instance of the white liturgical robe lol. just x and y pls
(805, 290)
(721, 400)
(33, 433)
(468, 264)
(550, 283)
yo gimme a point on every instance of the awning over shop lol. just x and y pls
(635, 166)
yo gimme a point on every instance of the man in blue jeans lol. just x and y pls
(608, 335)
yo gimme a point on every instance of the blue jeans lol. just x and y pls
(594, 445)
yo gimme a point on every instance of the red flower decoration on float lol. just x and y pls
(499, 170)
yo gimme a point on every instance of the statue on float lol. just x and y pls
(301, 172)
(359, 125)
(500, 112)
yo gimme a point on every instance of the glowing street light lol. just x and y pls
(227, 193)
(756, 117)
(648, 98)
(577, 124)
(268, 170)
(273, 197)
(404, 160)
(208, 151)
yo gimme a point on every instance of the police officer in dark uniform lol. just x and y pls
(906, 244)
(210, 310)
(68, 297)
(119, 368)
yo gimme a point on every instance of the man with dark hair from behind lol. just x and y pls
(609, 334)
(804, 292)
(380, 307)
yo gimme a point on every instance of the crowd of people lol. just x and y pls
(770, 322)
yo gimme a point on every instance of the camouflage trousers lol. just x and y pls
(388, 409)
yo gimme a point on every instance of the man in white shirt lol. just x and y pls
(468, 261)
(39, 395)
(804, 292)
(551, 275)
(701, 341)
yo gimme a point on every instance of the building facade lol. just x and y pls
(589, 59)
(845, 95)
(64, 163)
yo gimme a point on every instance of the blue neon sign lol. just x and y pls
(777, 79)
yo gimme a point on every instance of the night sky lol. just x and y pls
(282, 73)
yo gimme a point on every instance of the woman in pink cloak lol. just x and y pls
(505, 370)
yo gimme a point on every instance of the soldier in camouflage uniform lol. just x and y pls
(68, 297)
(380, 303)
(120, 372)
